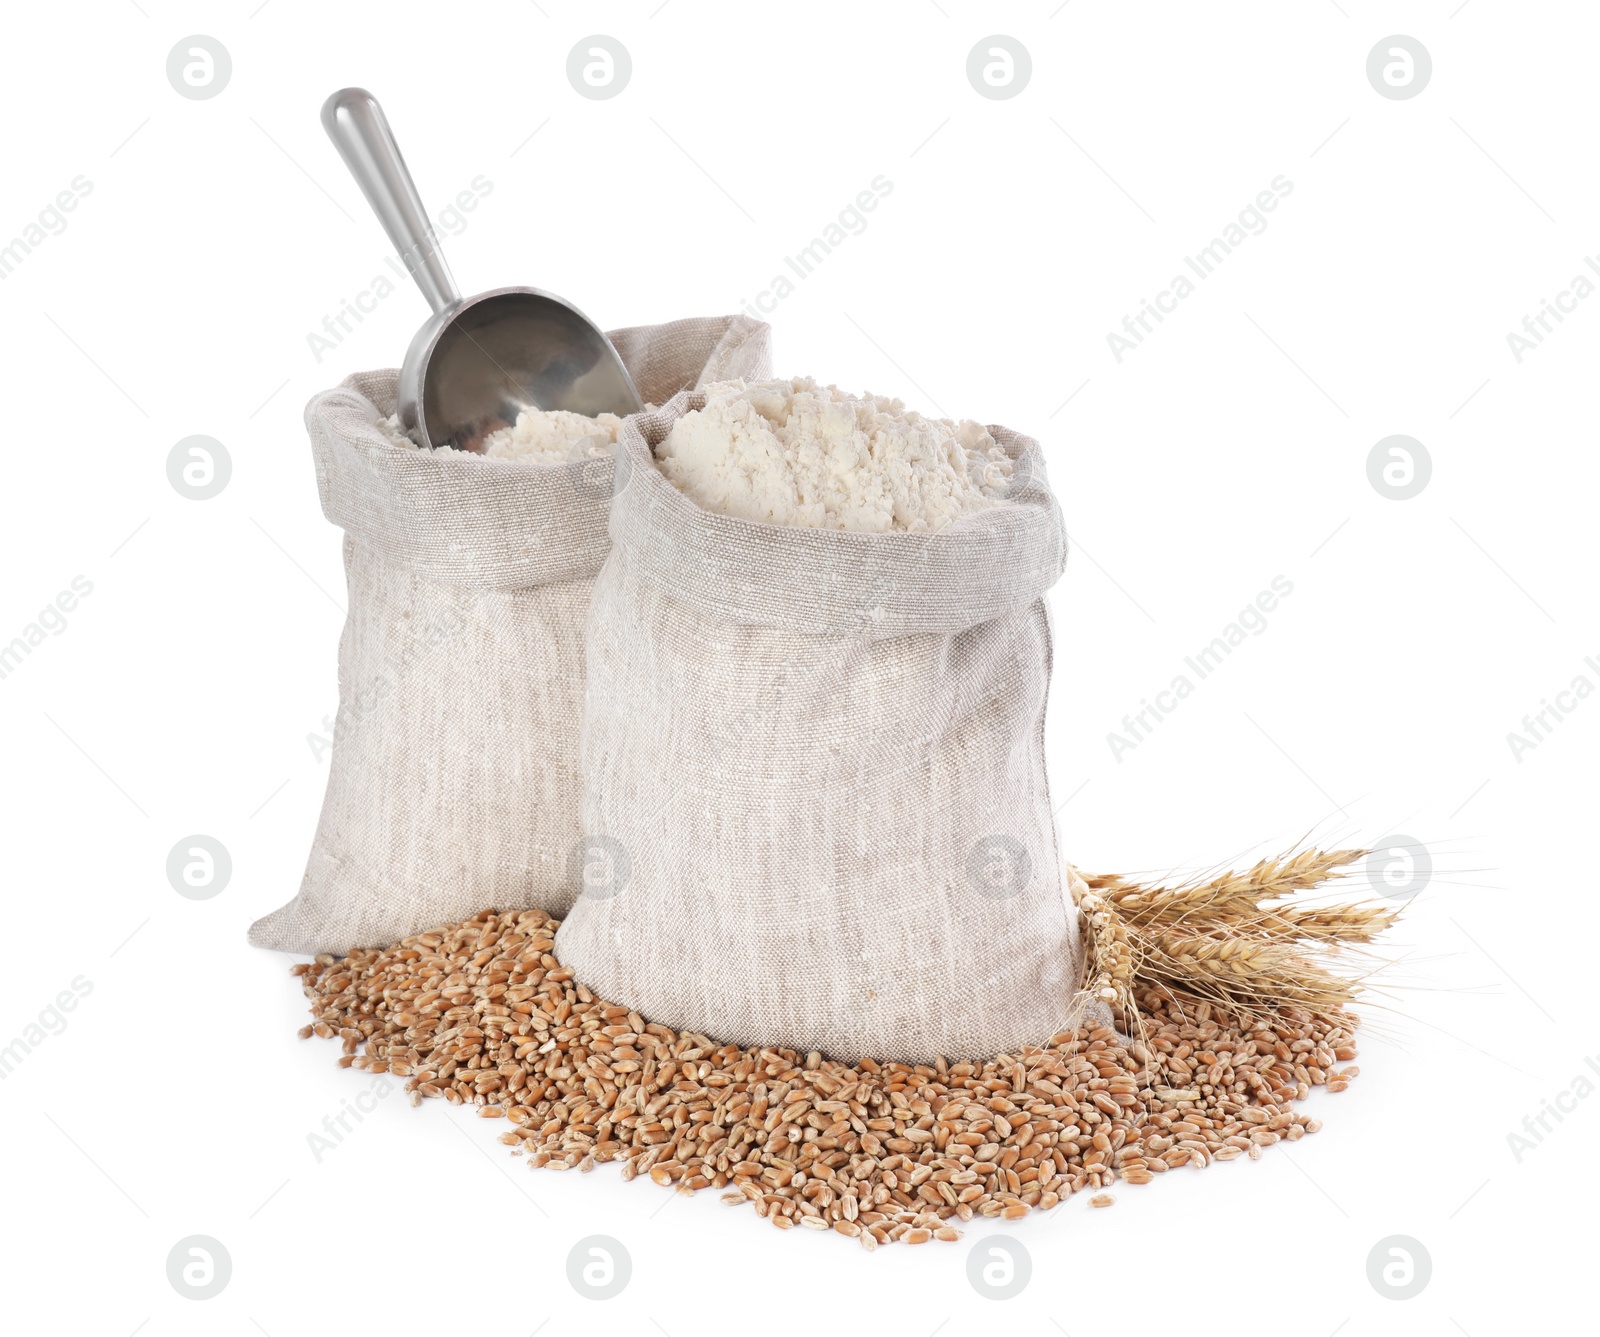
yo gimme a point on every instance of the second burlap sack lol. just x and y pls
(453, 778)
(815, 807)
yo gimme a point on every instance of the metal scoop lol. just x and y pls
(479, 361)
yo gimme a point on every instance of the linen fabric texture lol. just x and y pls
(453, 781)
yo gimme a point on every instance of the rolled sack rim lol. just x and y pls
(354, 410)
(981, 566)
(484, 524)
(474, 520)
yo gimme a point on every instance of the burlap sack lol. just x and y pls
(453, 781)
(815, 805)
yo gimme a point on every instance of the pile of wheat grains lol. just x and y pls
(482, 1013)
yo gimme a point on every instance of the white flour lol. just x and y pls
(539, 437)
(791, 452)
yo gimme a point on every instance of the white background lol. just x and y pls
(1228, 449)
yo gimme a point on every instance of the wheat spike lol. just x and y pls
(1239, 939)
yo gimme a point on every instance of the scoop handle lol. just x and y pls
(360, 131)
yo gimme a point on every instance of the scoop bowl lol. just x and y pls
(473, 367)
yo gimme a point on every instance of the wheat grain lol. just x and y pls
(483, 1014)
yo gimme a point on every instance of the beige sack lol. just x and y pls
(815, 804)
(453, 779)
